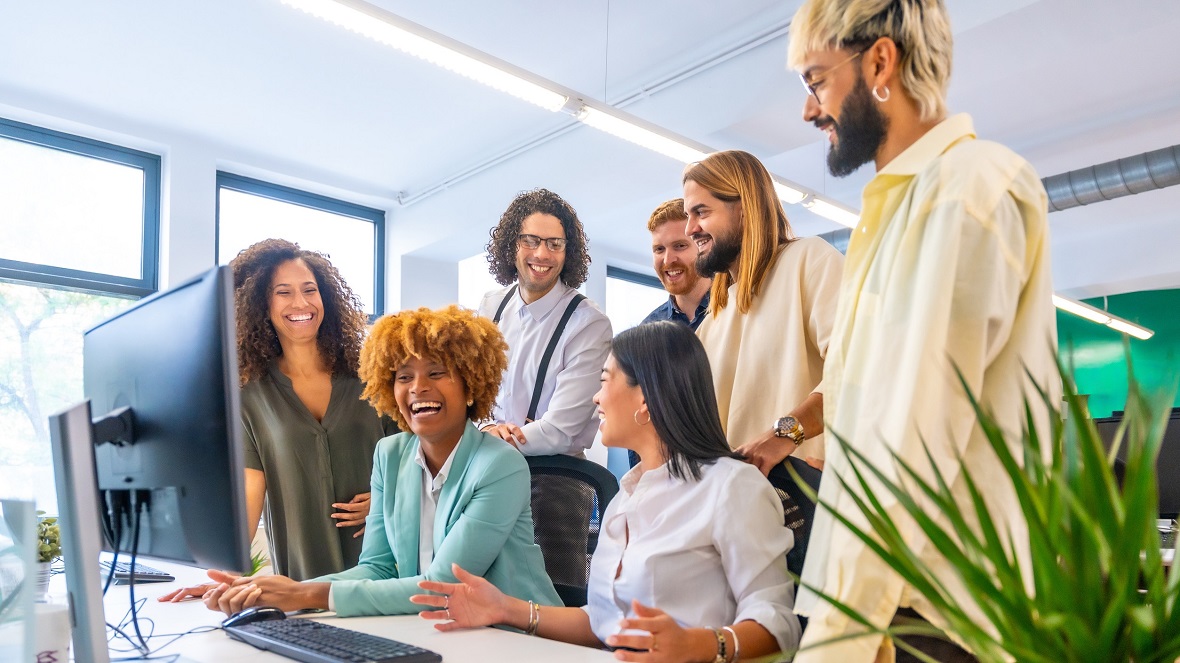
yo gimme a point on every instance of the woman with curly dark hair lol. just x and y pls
(444, 494)
(309, 438)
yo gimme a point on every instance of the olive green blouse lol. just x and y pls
(309, 465)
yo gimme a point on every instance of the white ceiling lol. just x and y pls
(1067, 83)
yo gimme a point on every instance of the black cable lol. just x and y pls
(117, 531)
(148, 653)
(139, 506)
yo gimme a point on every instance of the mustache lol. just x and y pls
(821, 122)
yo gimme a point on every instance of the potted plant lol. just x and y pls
(48, 549)
(1100, 591)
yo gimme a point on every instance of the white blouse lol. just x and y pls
(709, 553)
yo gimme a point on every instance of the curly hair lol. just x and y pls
(341, 331)
(502, 246)
(471, 347)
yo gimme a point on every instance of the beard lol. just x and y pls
(723, 254)
(686, 284)
(859, 133)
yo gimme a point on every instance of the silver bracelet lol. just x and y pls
(737, 646)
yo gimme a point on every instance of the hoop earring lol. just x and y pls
(877, 95)
(638, 422)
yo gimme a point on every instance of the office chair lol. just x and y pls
(569, 496)
(799, 509)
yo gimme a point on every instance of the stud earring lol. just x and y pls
(469, 402)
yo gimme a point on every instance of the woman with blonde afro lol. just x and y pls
(443, 494)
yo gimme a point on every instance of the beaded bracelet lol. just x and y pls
(737, 646)
(720, 646)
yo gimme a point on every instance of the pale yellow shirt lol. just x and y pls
(950, 265)
(769, 360)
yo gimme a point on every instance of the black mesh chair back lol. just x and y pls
(569, 497)
(799, 509)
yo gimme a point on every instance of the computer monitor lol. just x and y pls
(159, 436)
(1167, 465)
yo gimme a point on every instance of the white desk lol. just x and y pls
(485, 645)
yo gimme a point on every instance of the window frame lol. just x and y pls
(37, 274)
(286, 194)
(633, 277)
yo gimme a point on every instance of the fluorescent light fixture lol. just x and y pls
(629, 131)
(415, 40)
(1093, 314)
(839, 214)
(788, 194)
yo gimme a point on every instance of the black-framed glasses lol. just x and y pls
(811, 83)
(554, 244)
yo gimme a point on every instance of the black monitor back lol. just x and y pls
(1167, 466)
(173, 359)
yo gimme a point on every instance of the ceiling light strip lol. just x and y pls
(415, 40)
(392, 30)
(1084, 310)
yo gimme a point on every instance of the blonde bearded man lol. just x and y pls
(949, 267)
(774, 301)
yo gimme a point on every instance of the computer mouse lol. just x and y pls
(261, 613)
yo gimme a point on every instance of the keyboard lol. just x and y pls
(317, 642)
(143, 574)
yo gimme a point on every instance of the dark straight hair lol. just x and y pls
(668, 362)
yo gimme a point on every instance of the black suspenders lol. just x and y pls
(549, 350)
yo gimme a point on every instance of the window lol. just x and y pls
(475, 281)
(630, 296)
(78, 241)
(77, 213)
(352, 236)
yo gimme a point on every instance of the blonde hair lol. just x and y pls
(920, 29)
(672, 210)
(739, 178)
(470, 346)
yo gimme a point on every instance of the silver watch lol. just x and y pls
(789, 426)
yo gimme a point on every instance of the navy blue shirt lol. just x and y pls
(668, 311)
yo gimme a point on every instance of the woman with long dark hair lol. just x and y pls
(690, 564)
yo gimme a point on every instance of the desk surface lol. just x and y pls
(486, 645)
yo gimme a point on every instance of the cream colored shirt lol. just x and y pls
(769, 360)
(950, 266)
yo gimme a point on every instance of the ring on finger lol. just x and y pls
(448, 610)
(446, 601)
(654, 647)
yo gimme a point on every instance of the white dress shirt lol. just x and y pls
(565, 422)
(948, 268)
(431, 487)
(709, 553)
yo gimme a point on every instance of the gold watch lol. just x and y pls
(789, 426)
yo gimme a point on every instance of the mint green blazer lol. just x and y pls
(484, 522)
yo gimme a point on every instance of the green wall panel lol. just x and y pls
(1096, 354)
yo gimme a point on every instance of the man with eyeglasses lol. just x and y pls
(557, 339)
(947, 271)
